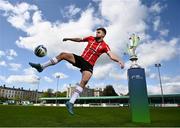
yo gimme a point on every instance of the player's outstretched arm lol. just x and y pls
(73, 39)
(116, 59)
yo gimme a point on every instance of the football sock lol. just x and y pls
(76, 94)
(50, 62)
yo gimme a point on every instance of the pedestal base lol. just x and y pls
(138, 95)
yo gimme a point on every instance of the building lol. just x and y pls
(87, 92)
(70, 90)
(98, 92)
(18, 93)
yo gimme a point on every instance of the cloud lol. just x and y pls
(30, 79)
(168, 79)
(10, 54)
(164, 32)
(2, 53)
(113, 15)
(164, 78)
(28, 76)
(48, 79)
(3, 63)
(151, 75)
(62, 75)
(14, 66)
(103, 71)
(170, 84)
(156, 7)
(168, 88)
(121, 89)
(123, 21)
(19, 14)
(70, 66)
(2, 78)
(109, 70)
(118, 75)
(70, 11)
(56, 32)
(155, 51)
(156, 23)
(29, 71)
(63, 87)
(19, 20)
(18, 8)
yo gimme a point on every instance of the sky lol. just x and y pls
(26, 24)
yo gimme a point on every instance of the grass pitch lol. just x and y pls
(26, 116)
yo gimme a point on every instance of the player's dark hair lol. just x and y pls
(102, 29)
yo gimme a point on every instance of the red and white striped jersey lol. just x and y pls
(94, 49)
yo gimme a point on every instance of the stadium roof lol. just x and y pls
(106, 97)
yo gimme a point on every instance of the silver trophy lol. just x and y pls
(132, 45)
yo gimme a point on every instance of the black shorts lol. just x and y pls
(82, 64)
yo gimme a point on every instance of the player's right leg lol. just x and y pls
(62, 56)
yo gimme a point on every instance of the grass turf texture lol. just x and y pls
(99, 117)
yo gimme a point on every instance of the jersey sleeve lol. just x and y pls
(86, 39)
(106, 48)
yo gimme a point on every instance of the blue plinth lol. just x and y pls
(138, 95)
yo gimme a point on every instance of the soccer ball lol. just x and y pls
(40, 51)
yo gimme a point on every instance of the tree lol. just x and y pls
(27, 97)
(3, 99)
(48, 93)
(17, 98)
(109, 91)
(61, 94)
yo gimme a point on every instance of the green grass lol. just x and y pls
(58, 116)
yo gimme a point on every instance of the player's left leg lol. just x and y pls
(62, 56)
(86, 75)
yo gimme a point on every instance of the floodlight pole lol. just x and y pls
(37, 89)
(58, 76)
(158, 67)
